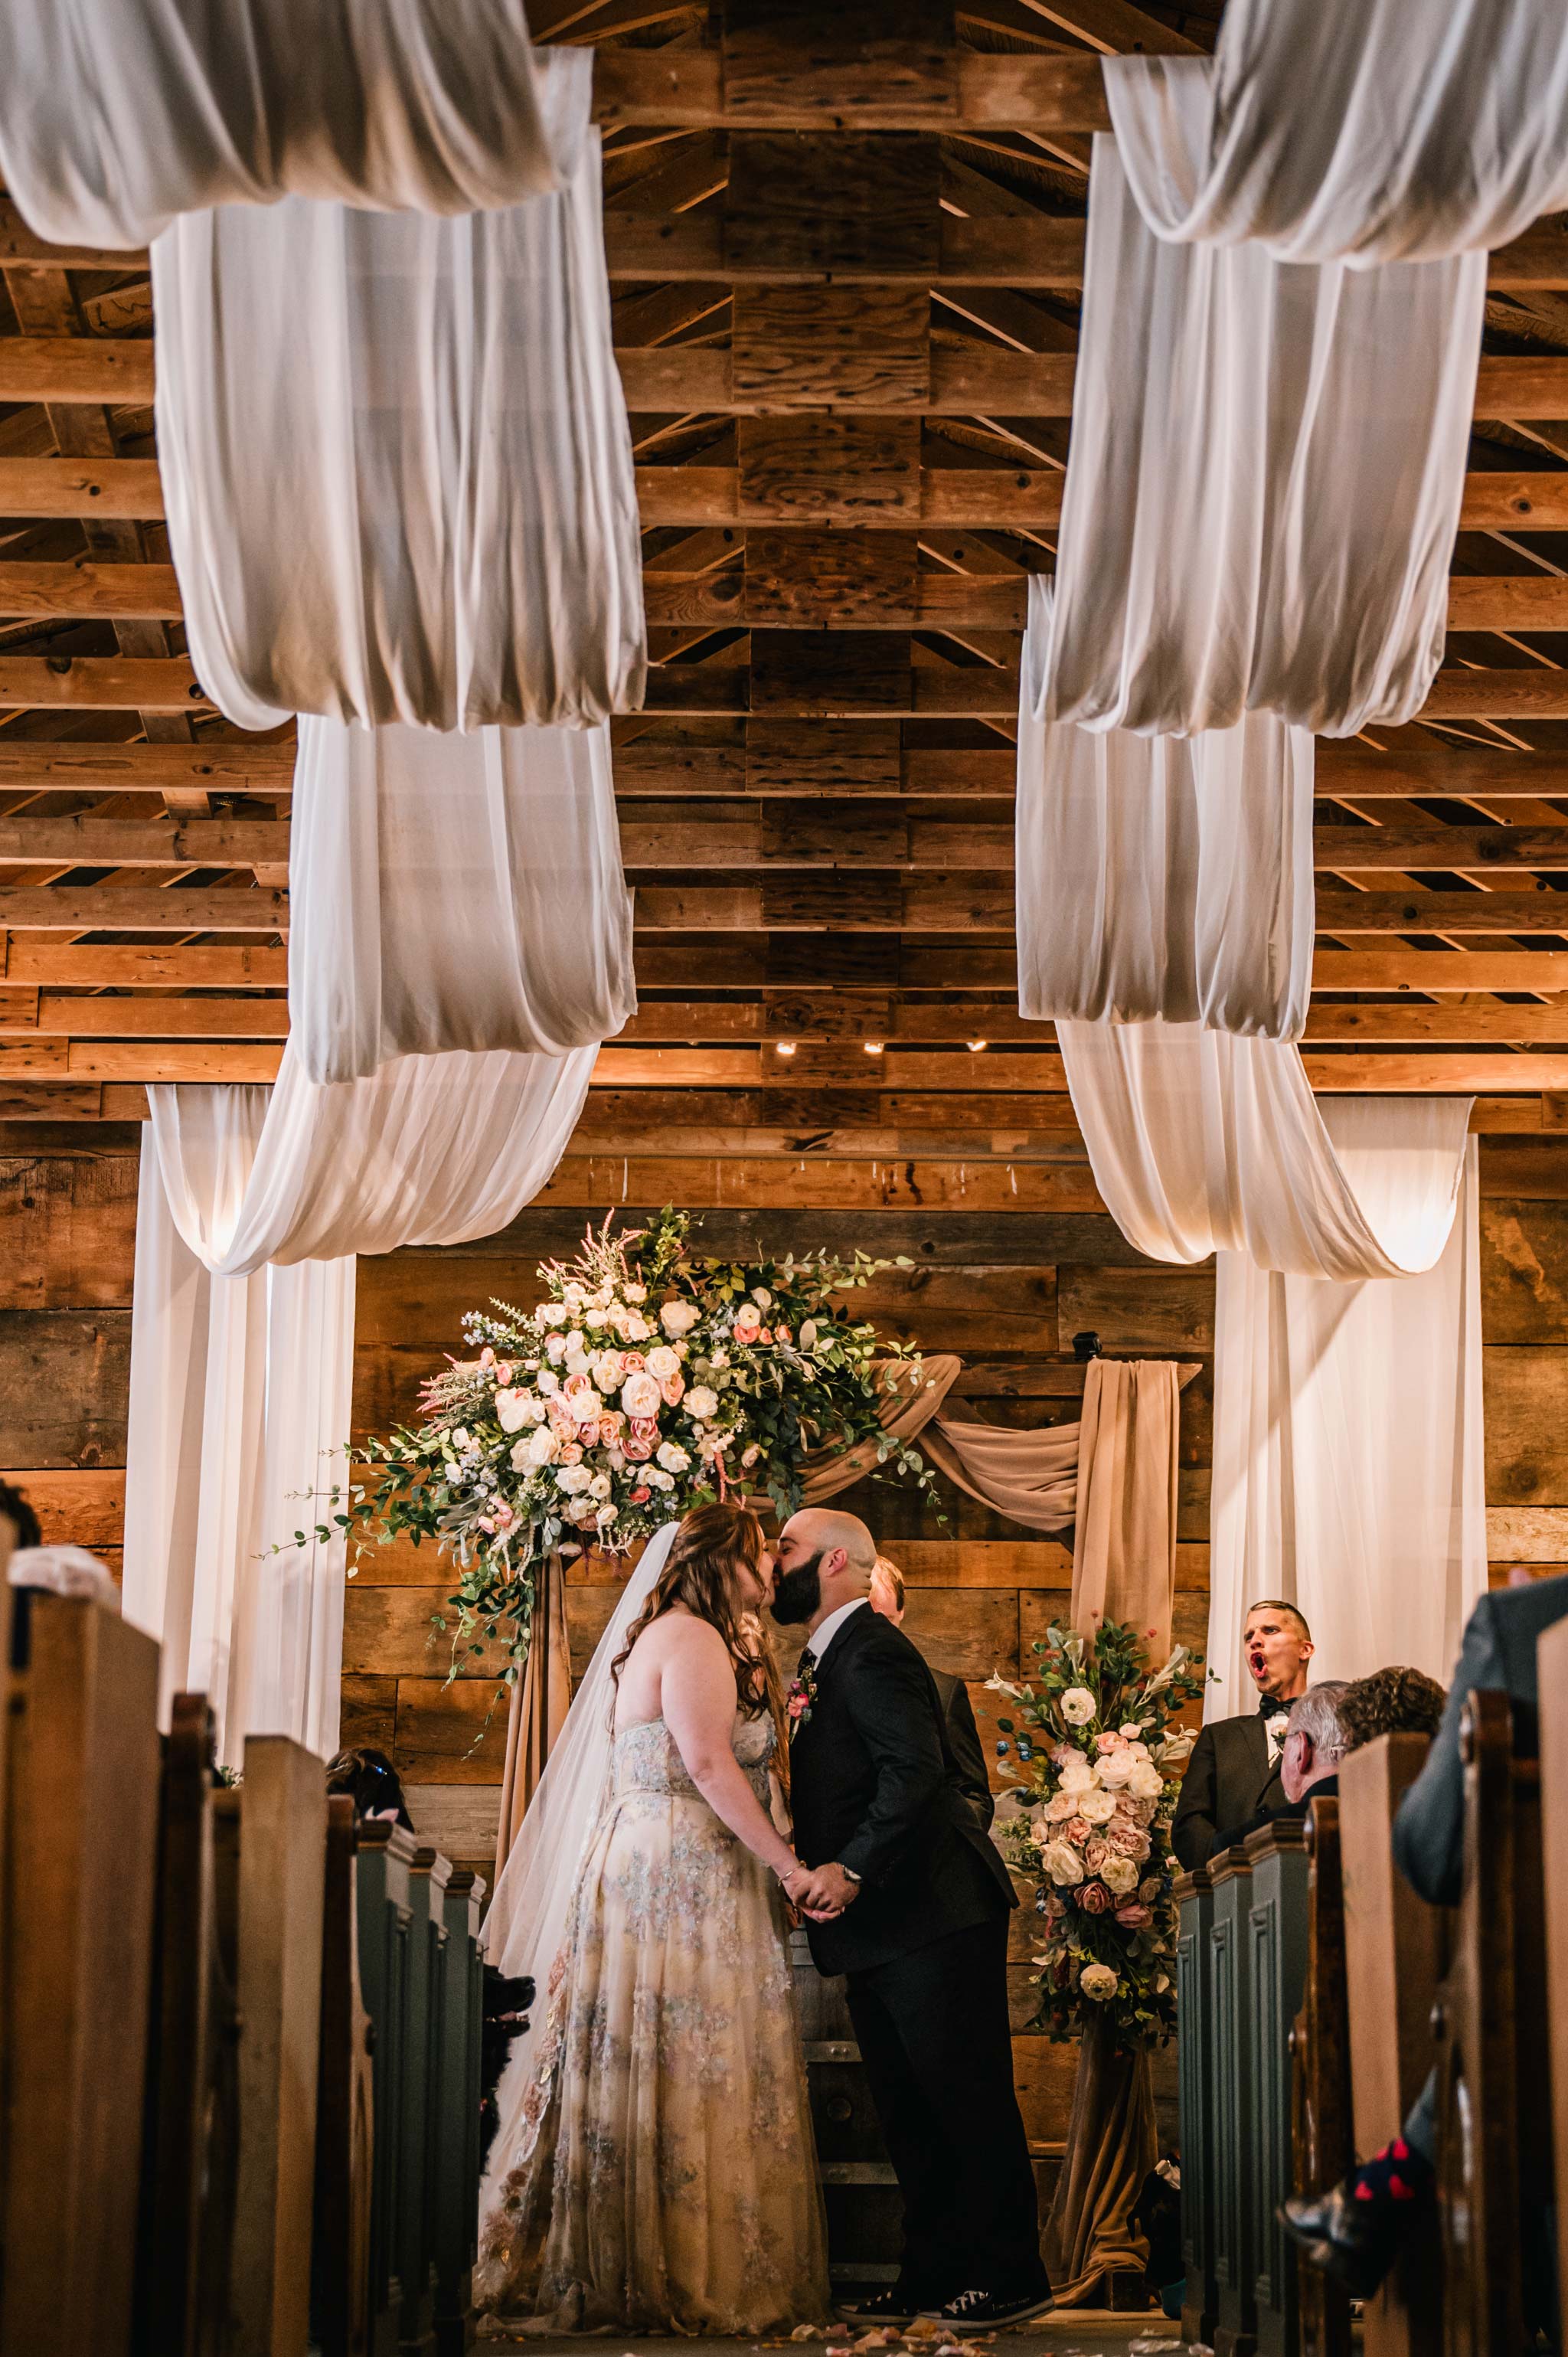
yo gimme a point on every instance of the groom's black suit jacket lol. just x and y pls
(874, 1783)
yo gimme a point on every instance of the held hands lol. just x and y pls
(820, 1892)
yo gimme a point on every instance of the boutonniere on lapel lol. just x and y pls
(801, 1695)
(1276, 1727)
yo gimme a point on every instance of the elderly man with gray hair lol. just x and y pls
(1310, 1754)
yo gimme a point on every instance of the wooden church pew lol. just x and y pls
(282, 1880)
(1551, 1663)
(1493, 2114)
(78, 1844)
(1322, 2145)
(1395, 1954)
(345, 2128)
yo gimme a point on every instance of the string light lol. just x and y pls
(874, 1047)
(976, 1045)
(784, 1047)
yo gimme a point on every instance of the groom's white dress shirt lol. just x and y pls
(826, 1631)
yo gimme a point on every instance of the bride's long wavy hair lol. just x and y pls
(700, 1574)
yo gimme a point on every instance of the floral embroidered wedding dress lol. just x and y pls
(658, 2172)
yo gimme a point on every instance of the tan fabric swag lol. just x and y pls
(537, 1707)
(1124, 1538)
(1030, 1477)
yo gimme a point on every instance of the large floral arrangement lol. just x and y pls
(647, 1382)
(1088, 1823)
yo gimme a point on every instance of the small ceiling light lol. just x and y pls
(874, 1047)
(783, 1047)
(976, 1045)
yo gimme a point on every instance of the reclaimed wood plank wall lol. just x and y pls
(1006, 1289)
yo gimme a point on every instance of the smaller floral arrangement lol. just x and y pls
(1089, 1824)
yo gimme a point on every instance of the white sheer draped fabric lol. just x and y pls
(1397, 131)
(1348, 1458)
(115, 115)
(1200, 1142)
(454, 891)
(428, 1150)
(1265, 476)
(396, 461)
(527, 1921)
(240, 1404)
(1160, 875)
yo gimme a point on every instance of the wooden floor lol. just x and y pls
(1073, 2333)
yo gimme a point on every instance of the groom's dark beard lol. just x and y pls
(797, 1592)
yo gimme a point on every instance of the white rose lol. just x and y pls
(641, 1394)
(658, 1479)
(549, 1382)
(638, 1328)
(555, 1348)
(550, 1314)
(673, 1458)
(513, 1410)
(1062, 1863)
(539, 1448)
(1116, 1768)
(587, 1408)
(663, 1362)
(1098, 1981)
(700, 1402)
(1096, 1808)
(679, 1317)
(1120, 1875)
(1079, 1775)
(573, 1295)
(1060, 1806)
(572, 1477)
(595, 1319)
(1132, 1728)
(600, 1487)
(607, 1370)
(762, 1298)
(1077, 1706)
(1146, 1782)
(636, 1292)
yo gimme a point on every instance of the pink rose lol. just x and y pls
(1093, 1898)
(569, 1453)
(673, 1388)
(645, 1427)
(1077, 1831)
(1134, 1917)
(746, 1329)
(562, 1423)
(637, 1452)
(488, 1359)
(1111, 1742)
(611, 1425)
(640, 1497)
(1095, 1854)
(764, 1334)
(1129, 1841)
(575, 1385)
(503, 1372)
(632, 1362)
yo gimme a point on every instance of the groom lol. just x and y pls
(907, 1896)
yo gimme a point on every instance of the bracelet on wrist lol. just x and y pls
(787, 1873)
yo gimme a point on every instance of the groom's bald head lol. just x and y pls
(831, 1558)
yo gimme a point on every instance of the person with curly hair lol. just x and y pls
(1390, 1702)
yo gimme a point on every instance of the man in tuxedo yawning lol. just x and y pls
(1233, 1776)
(909, 1900)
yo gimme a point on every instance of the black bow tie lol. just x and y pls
(1270, 1709)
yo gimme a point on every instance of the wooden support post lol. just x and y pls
(1322, 2147)
(1552, 1680)
(340, 2237)
(1196, 2074)
(1494, 2149)
(1230, 1961)
(1276, 1980)
(455, 2191)
(282, 1869)
(1395, 1952)
(80, 1854)
(384, 1857)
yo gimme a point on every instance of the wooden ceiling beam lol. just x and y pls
(132, 908)
(92, 1016)
(982, 499)
(694, 690)
(85, 588)
(1042, 254)
(69, 368)
(35, 961)
(101, 684)
(240, 765)
(687, 88)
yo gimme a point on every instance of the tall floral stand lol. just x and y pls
(1111, 2144)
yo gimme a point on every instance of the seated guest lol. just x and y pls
(886, 1597)
(1232, 1778)
(1355, 2232)
(1390, 1702)
(372, 1782)
(1310, 1753)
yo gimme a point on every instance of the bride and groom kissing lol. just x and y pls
(654, 2168)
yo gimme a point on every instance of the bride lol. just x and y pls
(654, 2168)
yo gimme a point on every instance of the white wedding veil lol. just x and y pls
(528, 1916)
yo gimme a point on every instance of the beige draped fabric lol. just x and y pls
(537, 1706)
(1111, 2144)
(1030, 1477)
(1124, 1534)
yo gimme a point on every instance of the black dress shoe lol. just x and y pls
(1357, 2243)
(990, 2311)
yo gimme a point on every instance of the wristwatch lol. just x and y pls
(848, 1872)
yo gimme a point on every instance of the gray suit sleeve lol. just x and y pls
(1429, 1830)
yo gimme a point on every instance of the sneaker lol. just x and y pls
(989, 2311)
(892, 2305)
